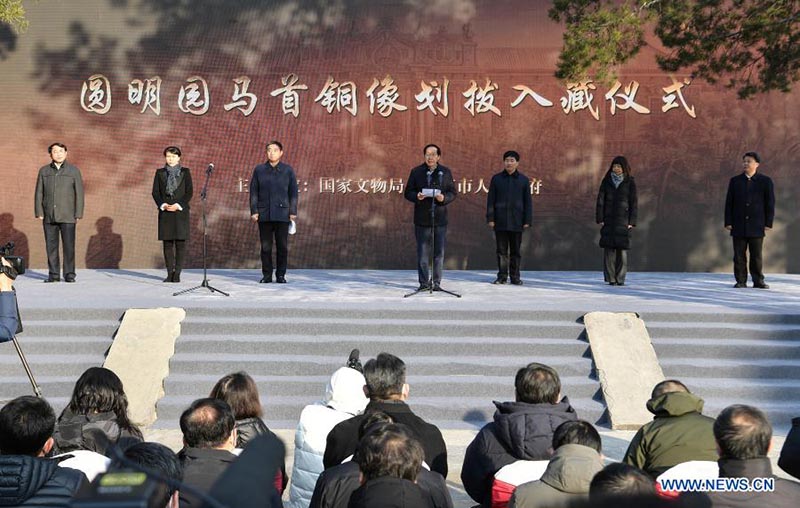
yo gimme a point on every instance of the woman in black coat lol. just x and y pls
(616, 213)
(172, 191)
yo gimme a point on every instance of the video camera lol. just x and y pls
(17, 262)
(120, 489)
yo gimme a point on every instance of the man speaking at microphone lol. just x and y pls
(430, 184)
(273, 205)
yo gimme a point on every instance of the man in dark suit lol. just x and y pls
(273, 205)
(59, 204)
(430, 175)
(749, 211)
(509, 211)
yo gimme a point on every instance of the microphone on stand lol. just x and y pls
(210, 168)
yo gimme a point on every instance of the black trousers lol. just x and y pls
(52, 231)
(615, 265)
(174, 253)
(741, 245)
(280, 232)
(508, 253)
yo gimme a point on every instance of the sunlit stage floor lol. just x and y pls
(579, 291)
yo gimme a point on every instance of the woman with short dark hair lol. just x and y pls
(172, 191)
(617, 206)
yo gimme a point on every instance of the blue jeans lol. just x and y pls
(423, 234)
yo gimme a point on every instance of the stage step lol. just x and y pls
(733, 359)
(458, 361)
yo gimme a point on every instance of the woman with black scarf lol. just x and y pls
(172, 191)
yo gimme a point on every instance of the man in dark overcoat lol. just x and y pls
(749, 211)
(58, 203)
(433, 176)
(509, 211)
(273, 205)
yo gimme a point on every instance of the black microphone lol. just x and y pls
(210, 168)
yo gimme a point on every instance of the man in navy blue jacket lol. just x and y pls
(273, 205)
(430, 175)
(749, 211)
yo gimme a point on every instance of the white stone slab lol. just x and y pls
(140, 356)
(626, 364)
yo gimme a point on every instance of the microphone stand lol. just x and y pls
(431, 245)
(205, 283)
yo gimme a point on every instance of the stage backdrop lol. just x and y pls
(354, 90)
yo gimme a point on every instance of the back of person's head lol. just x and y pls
(389, 450)
(577, 432)
(621, 480)
(241, 393)
(742, 432)
(372, 419)
(157, 458)
(385, 377)
(537, 383)
(26, 424)
(99, 390)
(668, 386)
(207, 423)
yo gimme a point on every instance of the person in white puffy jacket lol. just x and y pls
(344, 398)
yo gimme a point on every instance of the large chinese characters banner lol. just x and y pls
(354, 90)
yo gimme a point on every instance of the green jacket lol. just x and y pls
(678, 433)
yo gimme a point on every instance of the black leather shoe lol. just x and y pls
(423, 287)
(280, 279)
(176, 277)
(168, 278)
(516, 282)
(69, 279)
(436, 286)
(500, 280)
(265, 280)
(763, 285)
(740, 285)
(620, 283)
(52, 280)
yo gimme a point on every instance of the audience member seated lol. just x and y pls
(789, 460)
(678, 432)
(744, 438)
(248, 482)
(622, 483)
(389, 459)
(209, 437)
(26, 477)
(335, 485)
(521, 430)
(387, 391)
(96, 417)
(240, 392)
(344, 399)
(157, 458)
(577, 458)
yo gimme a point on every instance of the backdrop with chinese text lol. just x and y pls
(354, 90)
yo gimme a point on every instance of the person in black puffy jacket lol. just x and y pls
(27, 478)
(521, 430)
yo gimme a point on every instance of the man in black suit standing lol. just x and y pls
(509, 211)
(749, 211)
(430, 175)
(273, 205)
